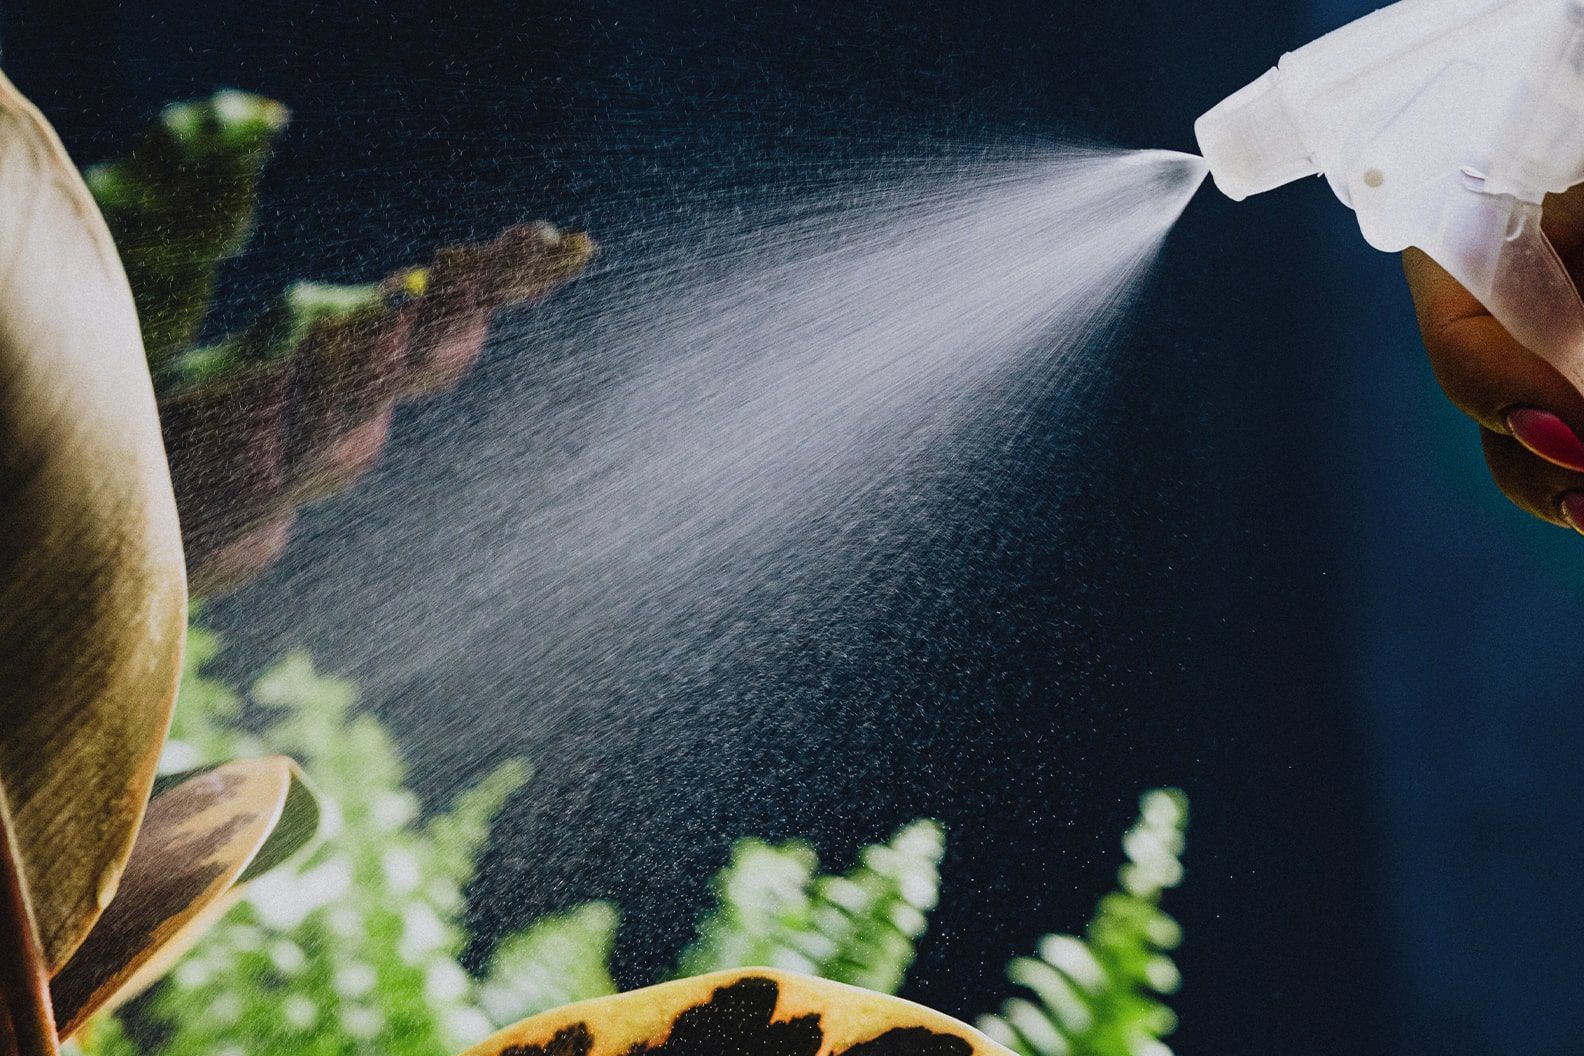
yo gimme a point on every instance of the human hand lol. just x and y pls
(1531, 419)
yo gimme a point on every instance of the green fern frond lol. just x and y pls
(1100, 995)
(459, 834)
(876, 913)
(357, 948)
(559, 960)
(764, 908)
(859, 928)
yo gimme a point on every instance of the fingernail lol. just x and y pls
(1573, 510)
(1547, 436)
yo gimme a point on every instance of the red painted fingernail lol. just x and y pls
(1573, 510)
(1547, 436)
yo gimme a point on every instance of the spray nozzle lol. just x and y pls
(1443, 124)
(1251, 143)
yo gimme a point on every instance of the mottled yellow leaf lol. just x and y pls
(744, 1012)
(200, 840)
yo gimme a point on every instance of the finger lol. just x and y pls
(1533, 484)
(1485, 373)
(1563, 221)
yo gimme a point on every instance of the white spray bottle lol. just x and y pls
(1442, 124)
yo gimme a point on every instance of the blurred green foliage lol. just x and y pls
(181, 203)
(774, 910)
(354, 949)
(561, 959)
(1099, 995)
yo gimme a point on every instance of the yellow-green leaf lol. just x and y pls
(92, 591)
(745, 1012)
(202, 839)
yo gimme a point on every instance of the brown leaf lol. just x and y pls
(347, 370)
(228, 445)
(297, 418)
(92, 589)
(466, 284)
(744, 1012)
(200, 838)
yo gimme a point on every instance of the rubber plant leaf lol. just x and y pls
(202, 840)
(745, 1012)
(92, 586)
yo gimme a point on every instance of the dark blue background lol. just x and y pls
(1311, 610)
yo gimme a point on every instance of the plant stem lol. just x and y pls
(24, 981)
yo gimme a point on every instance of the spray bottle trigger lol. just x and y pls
(1494, 245)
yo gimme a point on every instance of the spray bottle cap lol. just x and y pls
(1442, 124)
(1251, 141)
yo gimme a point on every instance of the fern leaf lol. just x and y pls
(763, 909)
(560, 959)
(458, 835)
(877, 912)
(860, 928)
(1099, 995)
(356, 949)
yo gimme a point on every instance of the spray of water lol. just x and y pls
(745, 432)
